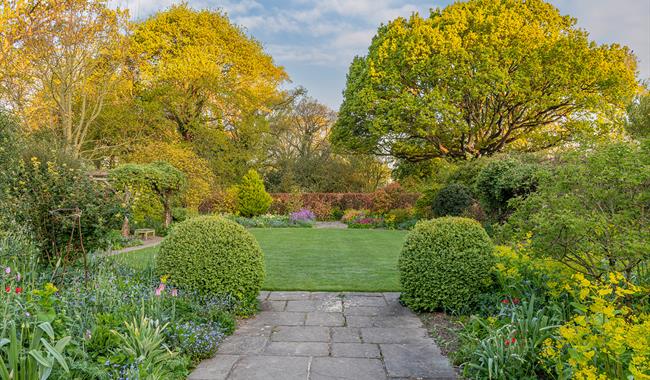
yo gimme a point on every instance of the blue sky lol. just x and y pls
(316, 40)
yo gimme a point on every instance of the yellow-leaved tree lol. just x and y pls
(64, 59)
(200, 178)
(203, 69)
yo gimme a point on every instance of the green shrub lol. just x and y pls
(444, 263)
(181, 214)
(591, 212)
(400, 218)
(252, 198)
(54, 196)
(451, 200)
(502, 180)
(213, 255)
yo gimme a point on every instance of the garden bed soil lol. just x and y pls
(444, 329)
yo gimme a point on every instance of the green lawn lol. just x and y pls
(320, 259)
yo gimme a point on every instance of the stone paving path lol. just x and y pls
(316, 336)
(335, 225)
(151, 242)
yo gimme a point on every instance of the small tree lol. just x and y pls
(161, 178)
(591, 212)
(252, 197)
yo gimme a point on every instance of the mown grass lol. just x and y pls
(319, 259)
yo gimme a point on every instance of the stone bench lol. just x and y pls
(145, 233)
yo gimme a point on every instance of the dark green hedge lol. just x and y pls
(213, 255)
(444, 263)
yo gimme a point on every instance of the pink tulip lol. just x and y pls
(174, 292)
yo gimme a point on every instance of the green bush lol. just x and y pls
(181, 214)
(252, 198)
(591, 212)
(502, 180)
(54, 195)
(444, 263)
(213, 255)
(452, 200)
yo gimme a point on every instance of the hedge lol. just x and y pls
(320, 202)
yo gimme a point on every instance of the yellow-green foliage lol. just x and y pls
(514, 265)
(200, 178)
(607, 338)
(478, 77)
(252, 198)
(213, 255)
(444, 263)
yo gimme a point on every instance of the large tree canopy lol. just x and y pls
(479, 77)
(203, 70)
(60, 63)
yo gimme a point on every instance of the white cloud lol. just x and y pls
(359, 39)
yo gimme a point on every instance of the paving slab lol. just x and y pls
(421, 360)
(243, 345)
(355, 350)
(322, 335)
(346, 335)
(273, 305)
(270, 367)
(320, 318)
(301, 334)
(216, 368)
(393, 335)
(275, 318)
(297, 349)
(288, 296)
(346, 368)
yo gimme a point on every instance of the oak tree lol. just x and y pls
(479, 77)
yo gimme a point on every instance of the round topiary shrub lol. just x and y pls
(213, 255)
(452, 200)
(444, 263)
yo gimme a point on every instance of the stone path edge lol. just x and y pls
(328, 335)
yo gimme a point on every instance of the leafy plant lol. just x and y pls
(159, 178)
(143, 345)
(502, 180)
(512, 350)
(198, 340)
(31, 354)
(66, 211)
(448, 86)
(591, 212)
(608, 337)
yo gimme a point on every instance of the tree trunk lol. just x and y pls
(168, 214)
(125, 227)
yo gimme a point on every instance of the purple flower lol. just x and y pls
(304, 215)
(7, 270)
